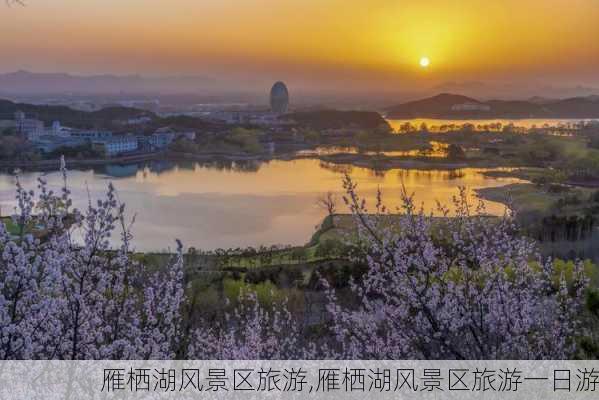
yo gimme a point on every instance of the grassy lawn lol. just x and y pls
(531, 197)
(526, 195)
(526, 173)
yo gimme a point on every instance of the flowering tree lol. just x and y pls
(466, 287)
(65, 294)
(252, 333)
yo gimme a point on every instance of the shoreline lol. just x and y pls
(43, 165)
(373, 162)
(377, 163)
(380, 163)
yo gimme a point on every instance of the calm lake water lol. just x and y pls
(242, 204)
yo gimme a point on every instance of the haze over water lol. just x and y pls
(208, 207)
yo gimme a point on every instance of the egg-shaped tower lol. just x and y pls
(279, 98)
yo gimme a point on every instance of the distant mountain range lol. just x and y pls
(454, 106)
(513, 90)
(25, 82)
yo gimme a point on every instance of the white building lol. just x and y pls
(116, 145)
(29, 127)
(92, 135)
(58, 130)
(50, 143)
(161, 140)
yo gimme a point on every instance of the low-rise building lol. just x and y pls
(116, 145)
(58, 130)
(50, 143)
(29, 127)
(161, 140)
(143, 143)
(92, 135)
(189, 135)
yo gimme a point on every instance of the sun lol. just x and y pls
(425, 62)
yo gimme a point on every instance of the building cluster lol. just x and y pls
(47, 140)
(33, 128)
(279, 105)
(245, 117)
(50, 139)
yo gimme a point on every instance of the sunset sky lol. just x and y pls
(374, 44)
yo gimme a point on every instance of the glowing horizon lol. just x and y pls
(371, 44)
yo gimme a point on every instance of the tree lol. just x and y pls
(329, 248)
(184, 146)
(10, 146)
(299, 254)
(328, 203)
(466, 287)
(61, 298)
(252, 333)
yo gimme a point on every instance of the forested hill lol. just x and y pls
(70, 117)
(453, 106)
(333, 119)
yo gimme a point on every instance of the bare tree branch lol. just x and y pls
(328, 203)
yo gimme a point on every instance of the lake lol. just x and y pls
(241, 204)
